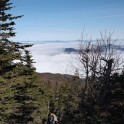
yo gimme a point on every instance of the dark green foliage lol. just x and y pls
(18, 79)
(6, 20)
(116, 106)
(25, 92)
(72, 106)
(27, 61)
(24, 98)
(8, 53)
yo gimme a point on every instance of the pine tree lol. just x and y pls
(8, 53)
(17, 78)
(25, 92)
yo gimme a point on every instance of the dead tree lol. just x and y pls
(99, 61)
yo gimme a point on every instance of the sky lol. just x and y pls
(65, 19)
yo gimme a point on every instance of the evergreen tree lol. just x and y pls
(25, 92)
(8, 53)
(17, 75)
(116, 99)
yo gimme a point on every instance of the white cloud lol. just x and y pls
(50, 56)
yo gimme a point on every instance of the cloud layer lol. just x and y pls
(51, 57)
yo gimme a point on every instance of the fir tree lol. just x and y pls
(8, 53)
(17, 78)
(25, 92)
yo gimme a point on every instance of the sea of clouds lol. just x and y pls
(50, 56)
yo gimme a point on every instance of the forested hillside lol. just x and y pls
(26, 97)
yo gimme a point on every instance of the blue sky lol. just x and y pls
(66, 19)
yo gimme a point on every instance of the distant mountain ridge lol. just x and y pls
(70, 50)
(73, 50)
(120, 41)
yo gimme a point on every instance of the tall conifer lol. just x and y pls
(17, 85)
